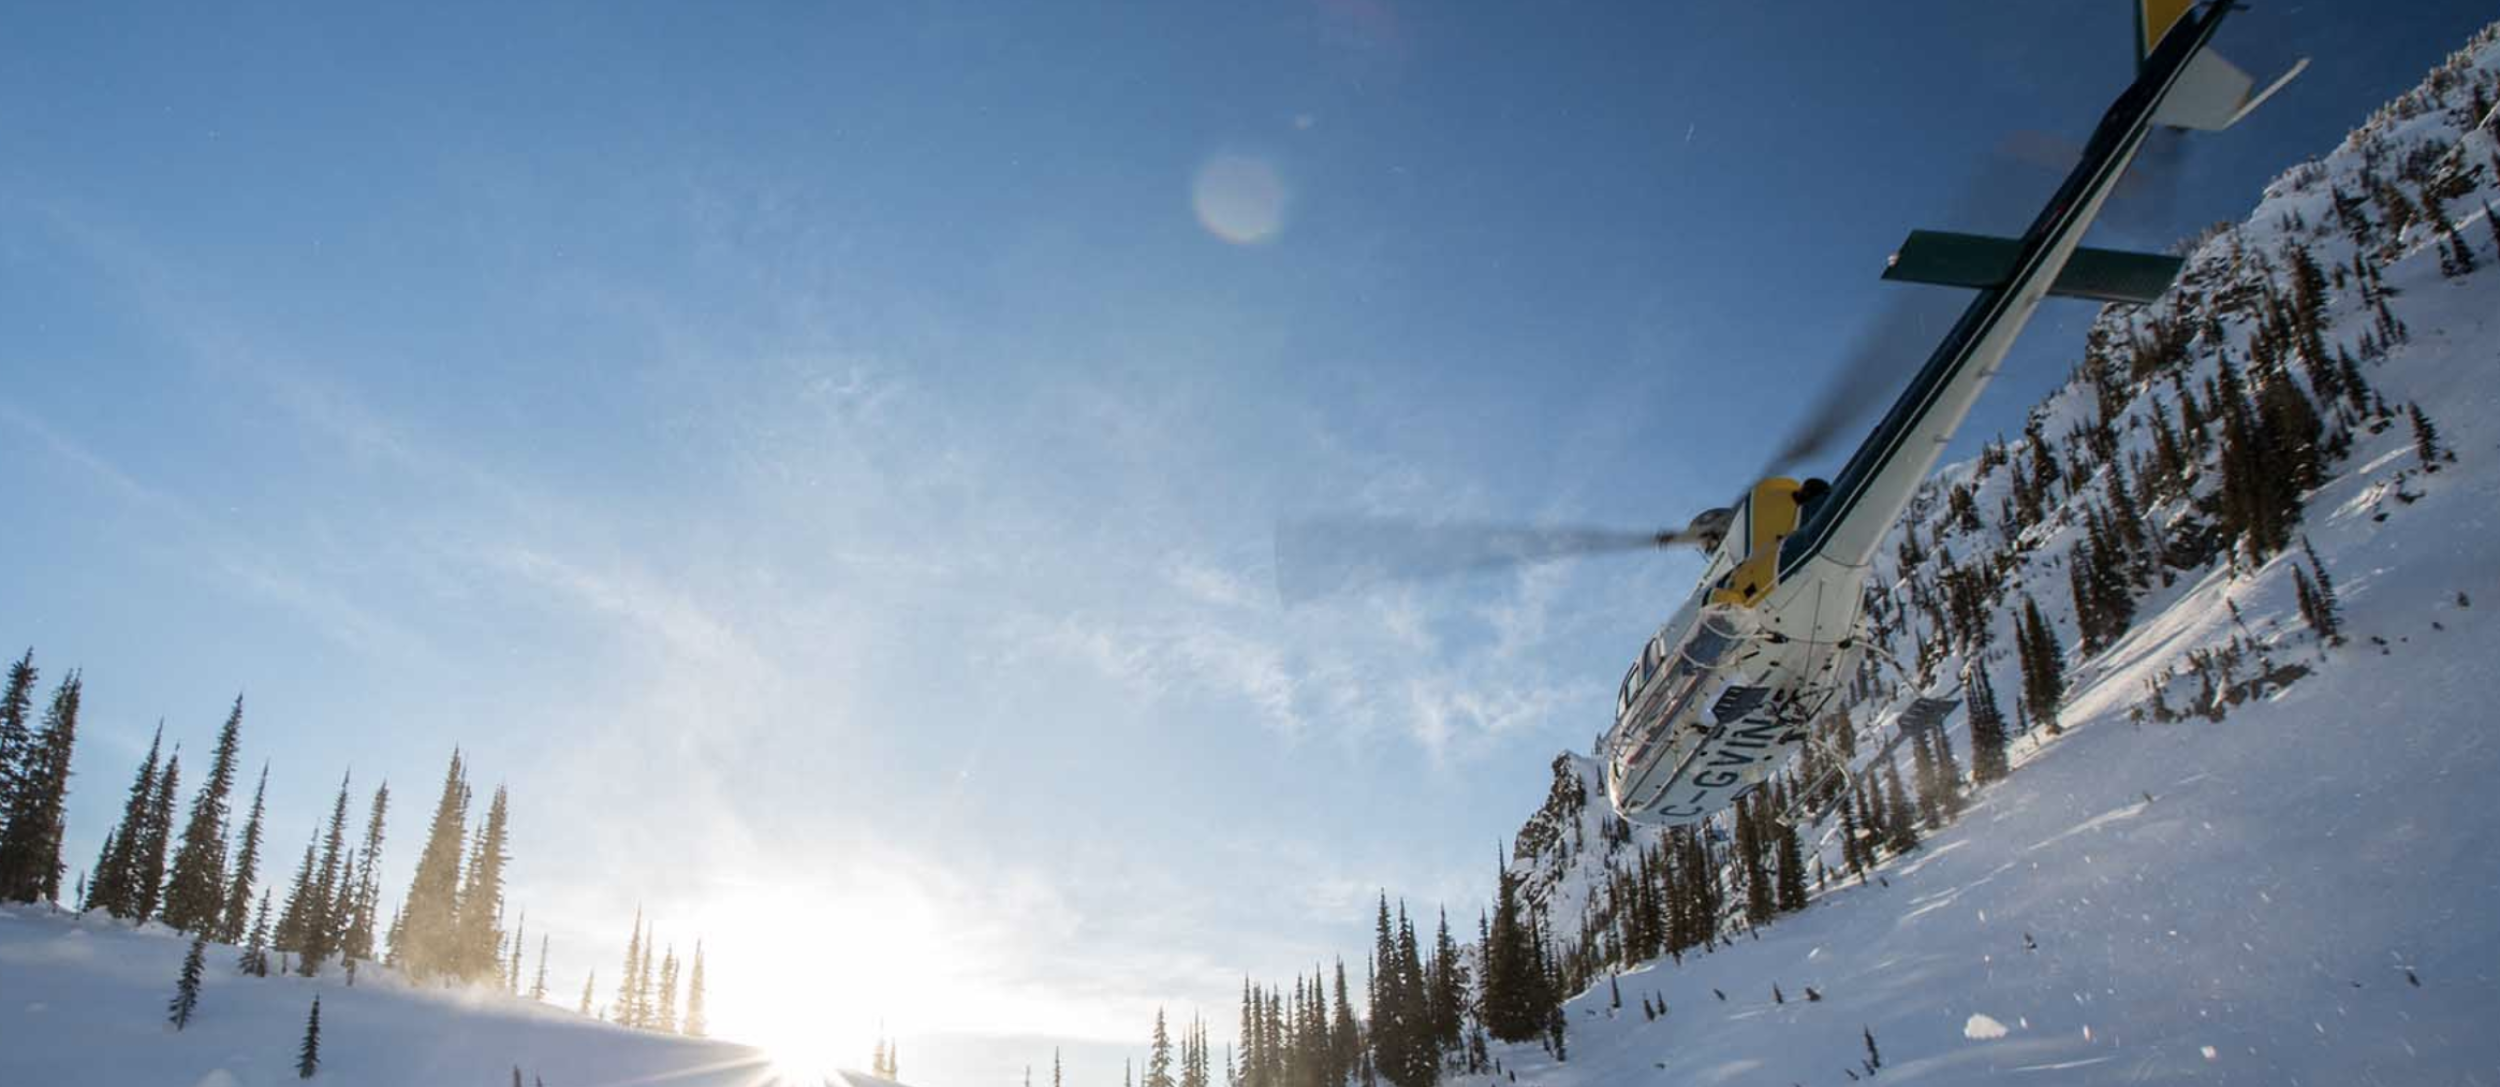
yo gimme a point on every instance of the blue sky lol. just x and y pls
(824, 457)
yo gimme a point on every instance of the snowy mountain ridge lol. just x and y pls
(2174, 697)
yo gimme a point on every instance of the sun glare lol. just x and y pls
(805, 1062)
(824, 972)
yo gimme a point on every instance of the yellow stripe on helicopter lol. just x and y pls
(2153, 19)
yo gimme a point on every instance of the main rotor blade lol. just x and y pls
(1872, 371)
(1879, 360)
(1323, 555)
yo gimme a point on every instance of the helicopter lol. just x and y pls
(1721, 697)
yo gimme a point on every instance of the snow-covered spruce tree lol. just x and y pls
(1792, 874)
(30, 842)
(300, 913)
(365, 900)
(512, 958)
(1987, 727)
(2426, 444)
(187, 987)
(698, 1025)
(195, 889)
(2044, 666)
(1902, 835)
(246, 869)
(1949, 798)
(1445, 990)
(627, 1006)
(2326, 614)
(111, 887)
(255, 958)
(1851, 848)
(426, 938)
(17, 701)
(664, 1016)
(156, 834)
(322, 924)
(643, 988)
(1159, 1056)
(1759, 902)
(480, 919)
(1510, 1004)
(538, 984)
(308, 1054)
(1923, 775)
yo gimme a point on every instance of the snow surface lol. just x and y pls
(2301, 892)
(90, 995)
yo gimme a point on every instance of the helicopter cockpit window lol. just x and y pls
(1710, 643)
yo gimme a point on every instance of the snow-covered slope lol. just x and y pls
(2252, 899)
(84, 1002)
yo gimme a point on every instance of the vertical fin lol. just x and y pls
(2154, 18)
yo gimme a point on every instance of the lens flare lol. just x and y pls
(1239, 198)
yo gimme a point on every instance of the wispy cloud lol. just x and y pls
(250, 567)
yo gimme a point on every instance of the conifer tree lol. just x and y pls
(588, 984)
(238, 893)
(538, 984)
(365, 899)
(1850, 846)
(2044, 666)
(426, 939)
(1509, 1000)
(113, 888)
(2425, 438)
(30, 841)
(481, 900)
(511, 969)
(1446, 988)
(255, 959)
(308, 1055)
(17, 700)
(148, 867)
(666, 1014)
(1870, 792)
(1760, 903)
(1923, 774)
(1948, 777)
(1904, 826)
(1345, 1041)
(301, 913)
(697, 1026)
(645, 996)
(195, 890)
(1987, 727)
(628, 1006)
(1159, 1056)
(187, 988)
(1792, 873)
(323, 927)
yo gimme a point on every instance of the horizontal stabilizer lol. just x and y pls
(1948, 259)
(2213, 94)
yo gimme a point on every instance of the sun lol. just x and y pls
(812, 974)
(805, 1060)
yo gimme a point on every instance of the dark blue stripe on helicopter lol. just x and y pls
(2121, 129)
